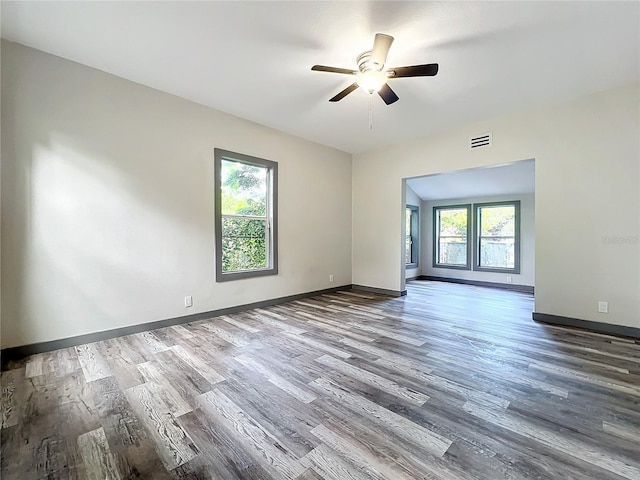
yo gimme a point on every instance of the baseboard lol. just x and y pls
(408, 279)
(381, 291)
(598, 327)
(504, 286)
(17, 353)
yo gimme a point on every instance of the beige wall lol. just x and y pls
(587, 156)
(527, 241)
(107, 203)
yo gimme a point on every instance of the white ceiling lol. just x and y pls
(515, 178)
(253, 59)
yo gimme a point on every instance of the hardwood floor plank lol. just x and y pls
(332, 467)
(94, 366)
(157, 384)
(226, 335)
(264, 446)
(119, 359)
(389, 357)
(402, 427)
(11, 383)
(150, 342)
(396, 336)
(263, 402)
(365, 460)
(503, 375)
(374, 380)
(631, 434)
(237, 323)
(310, 474)
(274, 320)
(222, 456)
(35, 366)
(604, 382)
(120, 424)
(173, 444)
(557, 441)
(99, 461)
(320, 346)
(181, 331)
(199, 365)
(280, 382)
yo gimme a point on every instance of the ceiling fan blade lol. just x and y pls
(388, 95)
(428, 70)
(381, 45)
(322, 68)
(344, 93)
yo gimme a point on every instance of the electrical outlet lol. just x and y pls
(330, 278)
(188, 301)
(509, 279)
(603, 307)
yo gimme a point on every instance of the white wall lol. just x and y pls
(527, 241)
(587, 155)
(412, 199)
(107, 203)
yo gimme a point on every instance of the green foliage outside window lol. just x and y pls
(244, 194)
(452, 236)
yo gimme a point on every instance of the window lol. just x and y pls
(412, 236)
(245, 216)
(497, 237)
(451, 228)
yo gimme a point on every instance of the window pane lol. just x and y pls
(452, 236)
(243, 189)
(498, 221)
(244, 244)
(407, 223)
(497, 236)
(497, 252)
(452, 251)
(453, 222)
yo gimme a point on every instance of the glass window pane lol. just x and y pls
(452, 236)
(453, 222)
(497, 252)
(499, 221)
(407, 254)
(244, 244)
(243, 189)
(407, 222)
(452, 251)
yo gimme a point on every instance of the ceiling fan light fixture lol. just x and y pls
(372, 76)
(371, 81)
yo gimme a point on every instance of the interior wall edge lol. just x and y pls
(504, 286)
(598, 327)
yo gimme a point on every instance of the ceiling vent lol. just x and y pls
(480, 141)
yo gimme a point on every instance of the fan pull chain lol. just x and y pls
(370, 112)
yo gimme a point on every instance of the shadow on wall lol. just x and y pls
(98, 201)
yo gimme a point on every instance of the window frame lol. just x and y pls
(477, 219)
(271, 214)
(415, 236)
(436, 236)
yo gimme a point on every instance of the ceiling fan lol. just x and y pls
(371, 75)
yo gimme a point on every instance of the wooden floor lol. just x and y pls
(450, 382)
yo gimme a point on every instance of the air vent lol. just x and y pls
(480, 141)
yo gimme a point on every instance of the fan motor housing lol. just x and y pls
(364, 63)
